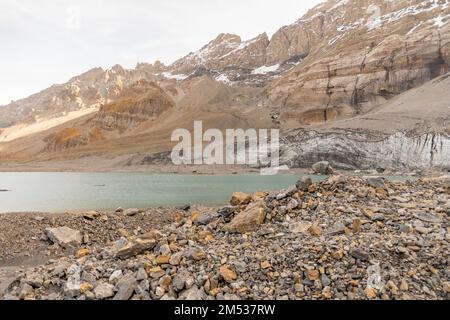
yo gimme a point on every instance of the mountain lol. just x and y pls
(343, 62)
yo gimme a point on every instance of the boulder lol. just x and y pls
(249, 219)
(323, 168)
(304, 183)
(126, 286)
(64, 236)
(104, 291)
(240, 199)
(131, 212)
(135, 247)
(193, 294)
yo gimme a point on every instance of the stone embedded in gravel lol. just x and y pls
(131, 212)
(141, 274)
(193, 294)
(26, 292)
(315, 230)
(104, 291)
(299, 227)
(180, 279)
(286, 193)
(126, 286)
(135, 247)
(115, 276)
(82, 253)
(428, 217)
(360, 254)
(64, 236)
(91, 215)
(248, 220)
(162, 260)
(175, 259)
(227, 273)
(336, 229)
(196, 254)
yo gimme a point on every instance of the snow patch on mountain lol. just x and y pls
(266, 69)
(178, 77)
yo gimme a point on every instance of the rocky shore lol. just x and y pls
(344, 238)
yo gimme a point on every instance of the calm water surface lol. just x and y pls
(60, 192)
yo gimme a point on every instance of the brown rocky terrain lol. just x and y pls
(341, 66)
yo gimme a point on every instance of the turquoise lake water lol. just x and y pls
(61, 192)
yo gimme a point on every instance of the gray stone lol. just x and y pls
(126, 286)
(428, 217)
(141, 274)
(115, 276)
(104, 291)
(286, 193)
(360, 254)
(193, 294)
(179, 281)
(205, 219)
(338, 228)
(135, 247)
(131, 212)
(64, 236)
(325, 280)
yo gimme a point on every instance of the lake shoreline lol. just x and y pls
(305, 242)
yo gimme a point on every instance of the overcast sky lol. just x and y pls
(49, 41)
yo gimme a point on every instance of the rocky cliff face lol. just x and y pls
(358, 54)
(140, 102)
(89, 90)
(137, 103)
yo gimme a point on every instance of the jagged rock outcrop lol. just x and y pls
(88, 90)
(140, 102)
(226, 51)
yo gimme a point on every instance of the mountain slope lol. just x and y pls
(343, 67)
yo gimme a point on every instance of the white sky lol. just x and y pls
(49, 41)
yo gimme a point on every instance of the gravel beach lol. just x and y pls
(345, 238)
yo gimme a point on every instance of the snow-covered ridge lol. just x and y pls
(423, 7)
